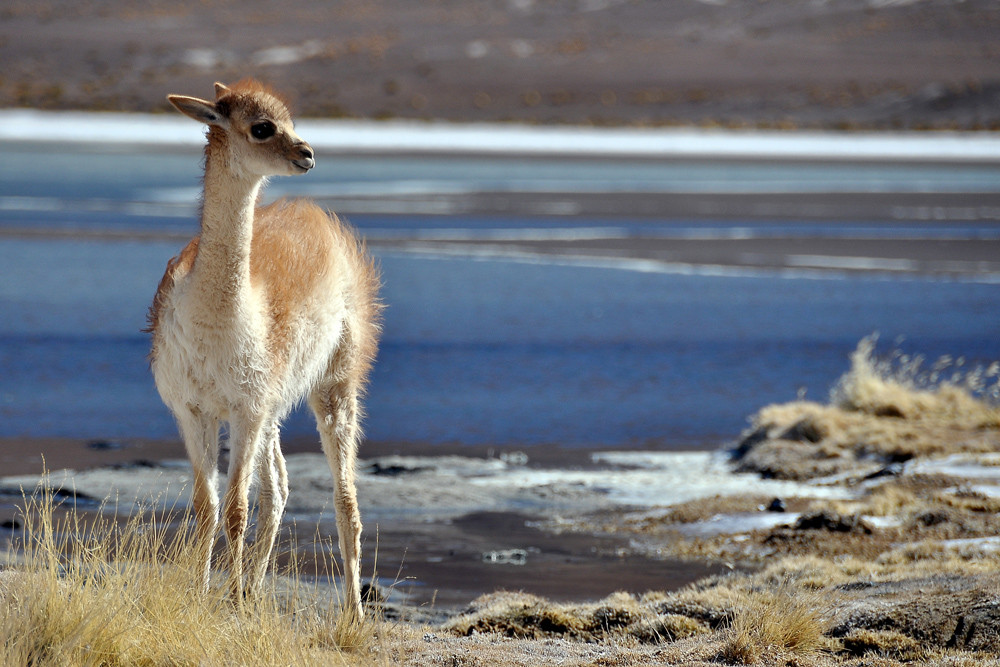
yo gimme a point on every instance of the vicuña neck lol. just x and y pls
(223, 264)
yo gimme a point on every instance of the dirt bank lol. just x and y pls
(843, 64)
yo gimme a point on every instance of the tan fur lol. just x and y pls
(266, 307)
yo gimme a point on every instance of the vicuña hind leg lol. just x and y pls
(336, 409)
(270, 505)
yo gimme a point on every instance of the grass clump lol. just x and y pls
(774, 622)
(880, 411)
(900, 387)
(89, 590)
(620, 616)
(883, 643)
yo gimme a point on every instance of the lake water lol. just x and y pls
(506, 351)
(491, 351)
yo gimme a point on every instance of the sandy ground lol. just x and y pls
(839, 64)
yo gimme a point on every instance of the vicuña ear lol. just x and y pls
(221, 89)
(202, 111)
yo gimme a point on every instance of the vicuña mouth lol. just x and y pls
(305, 164)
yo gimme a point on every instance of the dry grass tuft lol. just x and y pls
(879, 412)
(91, 592)
(899, 387)
(518, 615)
(884, 643)
(618, 617)
(669, 628)
(780, 620)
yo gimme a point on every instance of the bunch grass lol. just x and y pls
(91, 588)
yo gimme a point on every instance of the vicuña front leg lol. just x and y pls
(201, 440)
(244, 441)
(271, 505)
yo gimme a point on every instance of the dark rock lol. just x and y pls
(106, 445)
(371, 595)
(377, 468)
(900, 457)
(803, 431)
(11, 524)
(890, 411)
(934, 517)
(891, 470)
(824, 520)
(749, 441)
(777, 505)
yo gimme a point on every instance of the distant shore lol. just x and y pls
(853, 64)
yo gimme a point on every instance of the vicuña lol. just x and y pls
(267, 306)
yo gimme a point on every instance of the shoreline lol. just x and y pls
(456, 138)
(440, 524)
(929, 258)
(866, 526)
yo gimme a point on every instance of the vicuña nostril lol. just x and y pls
(305, 159)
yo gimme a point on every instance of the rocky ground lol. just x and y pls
(900, 570)
(835, 64)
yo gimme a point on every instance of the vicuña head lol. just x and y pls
(267, 306)
(254, 125)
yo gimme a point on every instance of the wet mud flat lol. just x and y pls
(939, 258)
(440, 529)
(442, 567)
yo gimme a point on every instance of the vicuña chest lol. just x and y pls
(213, 348)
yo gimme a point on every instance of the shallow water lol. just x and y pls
(490, 351)
(501, 350)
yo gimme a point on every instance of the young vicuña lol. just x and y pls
(266, 306)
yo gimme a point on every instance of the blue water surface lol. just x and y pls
(490, 351)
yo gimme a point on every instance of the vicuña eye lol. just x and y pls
(263, 130)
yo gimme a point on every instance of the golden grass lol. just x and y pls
(619, 617)
(906, 561)
(879, 411)
(899, 387)
(92, 592)
(884, 643)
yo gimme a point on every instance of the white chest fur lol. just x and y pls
(209, 361)
(215, 363)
